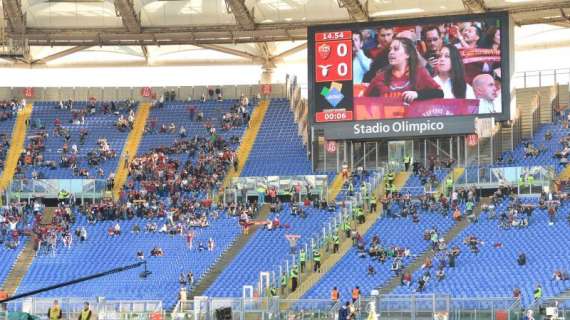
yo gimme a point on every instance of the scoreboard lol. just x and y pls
(347, 65)
(333, 72)
(334, 56)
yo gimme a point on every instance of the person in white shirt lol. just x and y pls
(486, 91)
(117, 229)
(450, 75)
(361, 63)
(211, 244)
(83, 234)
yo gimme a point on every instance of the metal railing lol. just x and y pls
(534, 179)
(323, 239)
(539, 78)
(81, 189)
(247, 186)
(375, 307)
(101, 309)
(428, 306)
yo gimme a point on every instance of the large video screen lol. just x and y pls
(448, 66)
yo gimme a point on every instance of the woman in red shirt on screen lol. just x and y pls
(404, 76)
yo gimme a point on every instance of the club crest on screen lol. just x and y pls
(324, 51)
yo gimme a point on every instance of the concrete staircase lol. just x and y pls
(328, 262)
(248, 140)
(229, 255)
(455, 174)
(527, 102)
(16, 145)
(394, 282)
(131, 147)
(335, 187)
(24, 260)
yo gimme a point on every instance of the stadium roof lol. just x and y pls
(152, 22)
(266, 28)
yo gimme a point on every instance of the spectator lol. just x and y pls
(403, 66)
(157, 252)
(54, 312)
(560, 275)
(85, 313)
(517, 294)
(361, 63)
(371, 270)
(537, 294)
(182, 279)
(343, 312)
(521, 260)
(486, 91)
(450, 75)
(406, 279)
(440, 275)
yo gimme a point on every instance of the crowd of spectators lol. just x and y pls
(451, 61)
(73, 140)
(18, 219)
(58, 232)
(9, 109)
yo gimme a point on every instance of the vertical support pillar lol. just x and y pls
(351, 155)
(478, 153)
(492, 148)
(425, 153)
(337, 158)
(267, 73)
(464, 150)
(344, 151)
(324, 156)
(437, 147)
(364, 155)
(377, 146)
(452, 156)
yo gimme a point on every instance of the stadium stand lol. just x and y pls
(493, 270)
(469, 278)
(159, 141)
(352, 269)
(267, 249)
(112, 251)
(278, 143)
(95, 134)
(9, 257)
(60, 265)
(6, 126)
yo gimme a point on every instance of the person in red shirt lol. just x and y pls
(406, 279)
(379, 55)
(403, 77)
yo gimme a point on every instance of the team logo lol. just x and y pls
(325, 69)
(324, 51)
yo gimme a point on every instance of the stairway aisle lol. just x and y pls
(248, 140)
(16, 145)
(24, 260)
(131, 147)
(330, 261)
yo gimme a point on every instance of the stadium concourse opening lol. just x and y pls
(371, 154)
